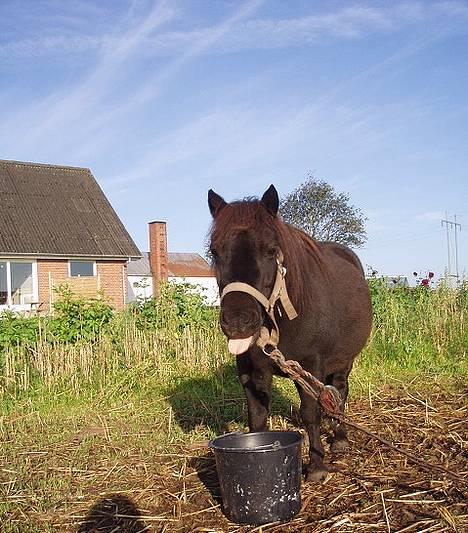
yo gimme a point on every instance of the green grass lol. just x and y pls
(175, 350)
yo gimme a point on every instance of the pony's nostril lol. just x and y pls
(223, 320)
(246, 318)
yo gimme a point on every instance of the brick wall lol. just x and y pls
(46, 270)
(110, 275)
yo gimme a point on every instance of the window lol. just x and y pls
(18, 286)
(21, 283)
(81, 268)
(3, 283)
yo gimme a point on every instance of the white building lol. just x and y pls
(160, 265)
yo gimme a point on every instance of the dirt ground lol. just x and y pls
(370, 488)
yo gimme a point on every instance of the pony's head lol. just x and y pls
(245, 244)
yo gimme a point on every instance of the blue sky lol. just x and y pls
(164, 100)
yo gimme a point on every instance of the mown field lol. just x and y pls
(104, 419)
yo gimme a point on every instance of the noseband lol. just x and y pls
(279, 292)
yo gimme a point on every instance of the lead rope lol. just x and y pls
(330, 400)
(327, 396)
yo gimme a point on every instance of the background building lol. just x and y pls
(146, 274)
(57, 226)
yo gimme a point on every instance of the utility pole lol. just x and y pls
(448, 244)
(456, 246)
(455, 226)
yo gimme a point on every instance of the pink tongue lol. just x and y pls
(238, 346)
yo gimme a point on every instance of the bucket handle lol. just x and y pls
(275, 446)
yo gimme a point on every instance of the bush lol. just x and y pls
(78, 319)
(178, 306)
(18, 330)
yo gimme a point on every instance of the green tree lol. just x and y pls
(316, 208)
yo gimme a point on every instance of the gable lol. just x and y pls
(58, 211)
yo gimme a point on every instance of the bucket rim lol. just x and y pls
(263, 449)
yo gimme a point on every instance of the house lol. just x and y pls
(159, 265)
(57, 226)
(393, 282)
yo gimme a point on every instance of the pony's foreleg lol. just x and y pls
(311, 416)
(257, 389)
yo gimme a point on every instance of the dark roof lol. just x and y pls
(179, 266)
(50, 210)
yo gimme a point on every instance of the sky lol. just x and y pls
(164, 100)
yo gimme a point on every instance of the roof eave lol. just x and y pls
(70, 256)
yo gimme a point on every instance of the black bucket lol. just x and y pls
(259, 475)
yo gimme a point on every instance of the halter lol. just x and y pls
(279, 292)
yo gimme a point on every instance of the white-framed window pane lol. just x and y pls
(3, 283)
(21, 283)
(81, 268)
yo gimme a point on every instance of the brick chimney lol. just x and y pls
(158, 254)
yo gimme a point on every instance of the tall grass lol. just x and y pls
(417, 331)
(128, 352)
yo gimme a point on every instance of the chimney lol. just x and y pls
(158, 254)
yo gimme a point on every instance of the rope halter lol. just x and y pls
(279, 292)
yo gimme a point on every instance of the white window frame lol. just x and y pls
(81, 261)
(35, 285)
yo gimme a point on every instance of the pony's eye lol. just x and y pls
(214, 253)
(270, 252)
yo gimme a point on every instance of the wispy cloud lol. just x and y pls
(87, 116)
(48, 27)
(231, 138)
(346, 23)
(349, 22)
(60, 109)
(38, 46)
(94, 102)
(430, 216)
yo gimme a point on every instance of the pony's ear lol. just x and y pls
(270, 200)
(215, 203)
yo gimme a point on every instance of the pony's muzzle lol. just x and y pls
(241, 316)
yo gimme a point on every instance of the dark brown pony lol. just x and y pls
(326, 285)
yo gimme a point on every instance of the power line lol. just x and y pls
(401, 239)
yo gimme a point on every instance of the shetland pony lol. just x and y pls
(326, 285)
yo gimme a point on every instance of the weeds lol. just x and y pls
(85, 345)
(418, 329)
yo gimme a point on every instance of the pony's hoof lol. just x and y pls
(339, 446)
(316, 474)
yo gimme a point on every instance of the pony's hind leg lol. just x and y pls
(257, 389)
(340, 442)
